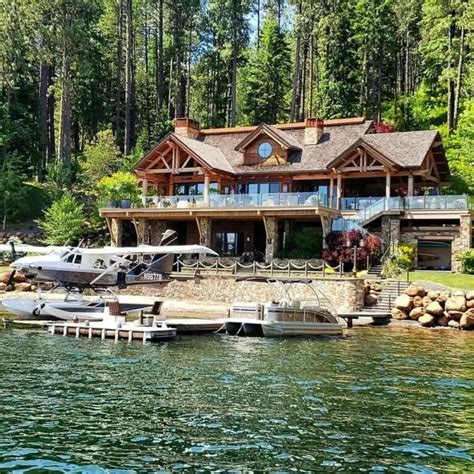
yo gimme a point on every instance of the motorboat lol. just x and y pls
(285, 317)
(66, 309)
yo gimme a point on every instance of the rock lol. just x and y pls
(417, 301)
(34, 287)
(470, 295)
(10, 288)
(441, 299)
(417, 312)
(432, 294)
(403, 302)
(411, 291)
(373, 293)
(443, 320)
(456, 315)
(427, 320)
(426, 301)
(458, 293)
(455, 303)
(20, 278)
(377, 287)
(467, 320)
(3, 286)
(453, 324)
(23, 287)
(434, 309)
(469, 304)
(5, 277)
(399, 314)
(370, 299)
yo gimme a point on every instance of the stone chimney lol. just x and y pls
(186, 127)
(314, 129)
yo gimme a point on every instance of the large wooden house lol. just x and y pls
(246, 189)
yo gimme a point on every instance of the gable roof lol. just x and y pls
(286, 140)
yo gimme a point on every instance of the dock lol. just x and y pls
(379, 319)
(125, 332)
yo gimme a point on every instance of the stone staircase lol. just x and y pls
(391, 290)
(376, 270)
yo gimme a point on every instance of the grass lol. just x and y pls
(5, 269)
(451, 280)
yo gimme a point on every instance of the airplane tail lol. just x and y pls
(164, 263)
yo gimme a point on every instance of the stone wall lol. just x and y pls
(345, 294)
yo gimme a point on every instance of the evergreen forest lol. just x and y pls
(88, 86)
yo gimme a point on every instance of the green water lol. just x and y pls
(378, 400)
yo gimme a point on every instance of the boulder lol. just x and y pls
(370, 300)
(443, 320)
(469, 304)
(20, 278)
(434, 309)
(404, 302)
(426, 301)
(5, 277)
(417, 312)
(470, 295)
(376, 287)
(458, 293)
(23, 287)
(441, 299)
(467, 320)
(3, 286)
(427, 320)
(399, 314)
(411, 290)
(10, 288)
(453, 324)
(456, 315)
(455, 303)
(417, 301)
(432, 294)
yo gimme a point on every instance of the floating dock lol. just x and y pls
(126, 332)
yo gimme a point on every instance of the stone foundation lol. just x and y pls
(345, 294)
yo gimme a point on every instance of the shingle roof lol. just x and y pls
(407, 149)
(210, 154)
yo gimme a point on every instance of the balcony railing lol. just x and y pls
(238, 200)
(366, 207)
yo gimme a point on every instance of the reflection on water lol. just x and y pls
(378, 400)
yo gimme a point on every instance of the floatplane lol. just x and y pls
(76, 269)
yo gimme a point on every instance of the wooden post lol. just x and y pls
(339, 191)
(206, 189)
(144, 191)
(387, 184)
(411, 185)
(331, 192)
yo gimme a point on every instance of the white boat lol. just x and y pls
(285, 317)
(66, 309)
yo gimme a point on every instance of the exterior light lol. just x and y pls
(348, 243)
(362, 243)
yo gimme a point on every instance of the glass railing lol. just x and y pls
(357, 203)
(437, 202)
(269, 200)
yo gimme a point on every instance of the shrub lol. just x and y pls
(467, 261)
(120, 185)
(63, 222)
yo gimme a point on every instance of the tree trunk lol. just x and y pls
(64, 143)
(233, 84)
(459, 78)
(118, 78)
(44, 81)
(128, 136)
(450, 79)
(296, 74)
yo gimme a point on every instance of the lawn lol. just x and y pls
(452, 280)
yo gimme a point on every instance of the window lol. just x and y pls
(229, 243)
(264, 150)
(259, 188)
(78, 259)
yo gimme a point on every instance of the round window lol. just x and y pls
(264, 150)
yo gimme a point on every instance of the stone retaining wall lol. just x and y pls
(345, 294)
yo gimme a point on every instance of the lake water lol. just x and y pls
(377, 400)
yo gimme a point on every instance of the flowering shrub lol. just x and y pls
(467, 261)
(381, 127)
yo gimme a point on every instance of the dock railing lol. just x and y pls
(289, 269)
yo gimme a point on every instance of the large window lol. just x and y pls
(229, 243)
(259, 188)
(193, 189)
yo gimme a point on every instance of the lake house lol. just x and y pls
(243, 191)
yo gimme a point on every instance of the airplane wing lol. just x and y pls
(24, 248)
(148, 250)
